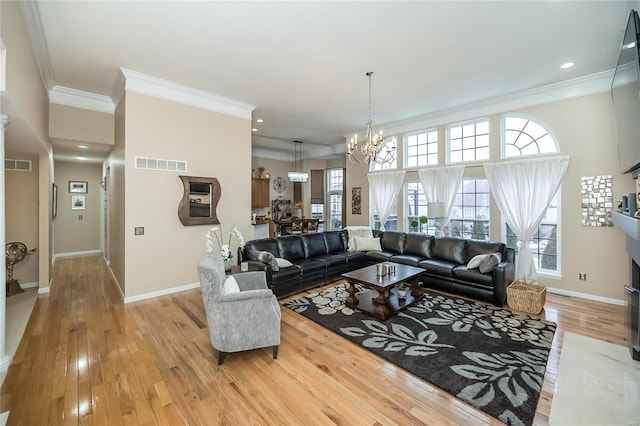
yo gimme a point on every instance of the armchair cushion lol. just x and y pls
(230, 285)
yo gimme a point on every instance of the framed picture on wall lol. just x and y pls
(77, 187)
(78, 202)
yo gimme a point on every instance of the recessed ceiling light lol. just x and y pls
(259, 120)
(254, 130)
(83, 146)
(567, 65)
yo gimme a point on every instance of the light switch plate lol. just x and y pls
(139, 230)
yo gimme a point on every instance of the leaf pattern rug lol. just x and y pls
(489, 357)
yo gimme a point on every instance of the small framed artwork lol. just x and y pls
(78, 202)
(77, 187)
(356, 200)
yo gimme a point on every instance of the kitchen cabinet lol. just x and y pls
(260, 193)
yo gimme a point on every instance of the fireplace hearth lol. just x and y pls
(631, 226)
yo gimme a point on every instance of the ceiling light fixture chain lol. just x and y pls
(371, 148)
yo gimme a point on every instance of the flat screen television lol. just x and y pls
(625, 92)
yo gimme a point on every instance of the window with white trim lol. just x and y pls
(417, 210)
(468, 141)
(524, 136)
(335, 184)
(317, 212)
(470, 213)
(421, 148)
(544, 241)
(389, 149)
(392, 220)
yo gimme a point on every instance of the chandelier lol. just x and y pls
(296, 175)
(374, 147)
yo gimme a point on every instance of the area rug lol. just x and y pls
(489, 357)
(598, 383)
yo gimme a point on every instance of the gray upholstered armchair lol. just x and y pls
(242, 320)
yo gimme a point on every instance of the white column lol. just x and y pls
(5, 359)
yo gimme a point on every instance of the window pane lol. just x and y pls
(470, 214)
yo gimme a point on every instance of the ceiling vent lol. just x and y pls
(17, 165)
(157, 164)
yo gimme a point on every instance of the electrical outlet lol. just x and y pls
(80, 217)
(582, 276)
(139, 230)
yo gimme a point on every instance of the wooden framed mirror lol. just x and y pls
(199, 201)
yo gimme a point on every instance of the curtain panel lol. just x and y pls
(441, 184)
(523, 189)
(384, 188)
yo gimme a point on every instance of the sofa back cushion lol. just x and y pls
(335, 241)
(313, 245)
(393, 241)
(418, 244)
(450, 249)
(252, 248)
(476, 247)
(290, 247)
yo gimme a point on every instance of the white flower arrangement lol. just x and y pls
(215, 234)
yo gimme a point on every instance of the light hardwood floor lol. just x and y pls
(86, 358)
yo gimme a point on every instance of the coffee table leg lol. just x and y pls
(381, 302)
(416, 290)
(352, 299)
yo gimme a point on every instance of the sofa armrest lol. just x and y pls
(503, 275)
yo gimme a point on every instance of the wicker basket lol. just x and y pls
(526, 295)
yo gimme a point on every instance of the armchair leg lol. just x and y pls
(221, 356)
(275, 352)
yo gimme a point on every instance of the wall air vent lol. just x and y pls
(17, 165)
(157, 164)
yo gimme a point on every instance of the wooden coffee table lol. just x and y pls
(385, 303)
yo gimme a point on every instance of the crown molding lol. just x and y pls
(33, 24)
(271, 155)
(134, 81)
(577, 87)
(80, 99)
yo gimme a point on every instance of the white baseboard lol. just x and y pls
(161, 292)
(30, 285)
(44, 290)
(77, 253)
(115, 281)
(587, 296)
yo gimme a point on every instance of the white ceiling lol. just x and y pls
(303, 64)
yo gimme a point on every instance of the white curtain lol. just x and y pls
(384, 189)
(523, 190)
(441, 184)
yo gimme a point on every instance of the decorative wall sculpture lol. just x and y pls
(597, 200)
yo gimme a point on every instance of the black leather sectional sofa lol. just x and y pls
(321, 257)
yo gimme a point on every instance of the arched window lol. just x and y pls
(522, 135)
(389, 154)
(525, 136)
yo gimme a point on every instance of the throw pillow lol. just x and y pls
(230, 285)
(367, 244)
(475, 261)
(357, 231)
(283, 263)
(269, 258)
(490, 262)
